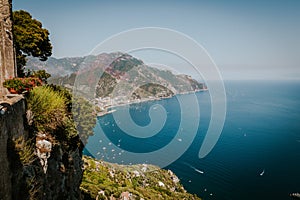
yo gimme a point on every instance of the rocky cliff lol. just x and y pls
(103, 180)
(23, 174)
(12, 111)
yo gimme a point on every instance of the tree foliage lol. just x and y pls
(84, 117)
(30, 39)
(81, 114)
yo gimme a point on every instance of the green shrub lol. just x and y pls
(48, 108)
(84, 117)
(56, 112)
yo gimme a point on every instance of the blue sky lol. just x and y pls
(246, 39)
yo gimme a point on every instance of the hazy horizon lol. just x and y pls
(246, 40)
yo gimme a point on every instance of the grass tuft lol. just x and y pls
(48, 107)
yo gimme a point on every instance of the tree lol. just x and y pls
(30, 39)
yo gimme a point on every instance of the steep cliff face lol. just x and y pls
(23, 175)
(11, 126)
(61, 180)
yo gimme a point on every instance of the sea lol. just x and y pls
(257, 155)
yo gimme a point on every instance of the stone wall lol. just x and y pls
(12, 113)
(7, 54)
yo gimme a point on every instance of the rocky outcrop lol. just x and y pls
(43, 150)
(35, 167)
(55, 171)
(63, 176)
(103, 180)
(61, 180)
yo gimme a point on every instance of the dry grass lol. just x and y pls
(25, 150)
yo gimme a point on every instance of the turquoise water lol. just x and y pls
(256, 157)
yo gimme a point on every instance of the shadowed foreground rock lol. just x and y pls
(11, 126)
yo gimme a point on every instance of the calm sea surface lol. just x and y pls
(256, 157)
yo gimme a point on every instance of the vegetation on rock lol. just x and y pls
(48, 163)
(25, 149)
(53, 108)
(48, 108)
(102, 180)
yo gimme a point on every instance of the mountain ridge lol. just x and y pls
(111, 79)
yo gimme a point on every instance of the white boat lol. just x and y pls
(199, 171)
(297, 195)
(262, 173)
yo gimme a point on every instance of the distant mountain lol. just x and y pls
(115, 75)
(59, 67)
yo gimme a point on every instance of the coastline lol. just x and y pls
(108, 108)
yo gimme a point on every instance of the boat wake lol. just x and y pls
(194, 168)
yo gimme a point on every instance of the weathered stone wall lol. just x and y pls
(7, 56)
(12, 113)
